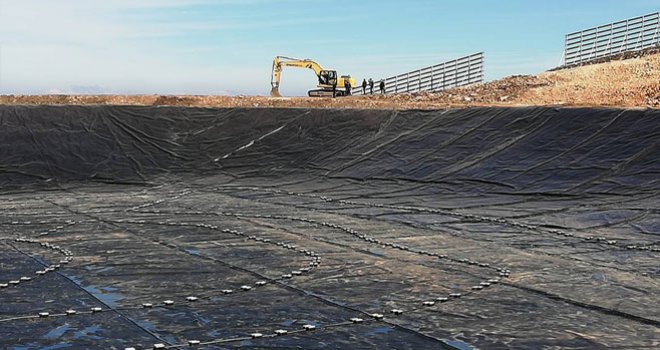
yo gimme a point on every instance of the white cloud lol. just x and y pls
(62, 46)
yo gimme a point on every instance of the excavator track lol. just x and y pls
(324, 93)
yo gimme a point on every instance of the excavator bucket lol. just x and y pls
(275, 92)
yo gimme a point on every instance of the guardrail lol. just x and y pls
(459, 72)
(610, 39)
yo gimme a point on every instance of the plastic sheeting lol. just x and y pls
(521, 149)
(400, 207)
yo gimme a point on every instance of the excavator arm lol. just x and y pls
(280, 62)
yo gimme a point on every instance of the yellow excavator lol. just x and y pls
(329, 85)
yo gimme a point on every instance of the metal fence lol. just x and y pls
(459, 72)
(610, 39)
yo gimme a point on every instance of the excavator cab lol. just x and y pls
(328, 77)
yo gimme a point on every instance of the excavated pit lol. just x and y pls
(365, 224)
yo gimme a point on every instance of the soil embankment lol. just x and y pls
(632, 82)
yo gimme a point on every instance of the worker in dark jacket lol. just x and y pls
(364, 86)
(382, 87)
(347, 86)
(371, 85)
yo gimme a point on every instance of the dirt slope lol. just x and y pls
(627, 83)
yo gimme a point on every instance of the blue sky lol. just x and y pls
(227, 46)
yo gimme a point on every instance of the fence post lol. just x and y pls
(580, 51)
(595, 45)
(625, 38)
(565, 55)
(469, 76)
(641, 31)
(431, 88)
(408, 82)
(657, 27)
(608, 48)
(444, 75)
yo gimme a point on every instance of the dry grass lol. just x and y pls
(634, 82)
